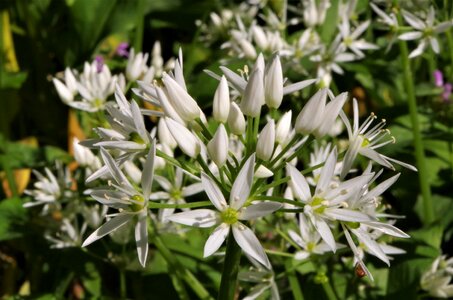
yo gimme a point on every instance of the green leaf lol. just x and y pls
(89, 18)
(404, 278)
(12, 215)
(92, 280)
(10, 80)
(431, 236)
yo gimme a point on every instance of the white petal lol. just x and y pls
(216, 239)
(234, 79)
(434, 44)
(148, 171)
(325, 178)
(107, 228)
(413, 20)
(116, 172)
(347, 215)
(299, 184)
(141, 238)
(242, 184)
(213, 191)
(413, 35)
(138, 122)
(258, 210)
(250, 244)
(198, 218)
(296, 238)
(186, 140)
(325, 233)
(371, 245)
(297, 86)
(388, 229)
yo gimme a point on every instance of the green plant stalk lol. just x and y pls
(138, 39)
(329, 290)
(293, 281)
(230, 269)
(174, 264)
(123, 291)
(418, 142)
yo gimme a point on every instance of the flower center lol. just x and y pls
(176, 194)
(317, 203)
(347, 41)
(98, 103)
(137, 205)
(229, 216)
(135, 137)
(365, 142)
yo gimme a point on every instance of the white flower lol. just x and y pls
(187, 141)
(283, 128)
(218, 146)
(315, 12)
(236, 120)
(352, 41)
(136, 65)
(253, 97)
(174, 192)
(437, 280)
(424, 30)
(186, 107)
(84, 157)
(365, 141)
(273, 83)
(131, 202)
(266, 141)
(318, 118)
(230, 214)
(221, 102)
(164, 134)
(327, 202)
(128, 131)
(49, 189)
(309, 240)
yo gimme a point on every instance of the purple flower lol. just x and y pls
(99, 63)
(121, 50)
(438, 78)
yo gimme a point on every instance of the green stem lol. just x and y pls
(138, 39)
(418, 142)
(329, 290)
(279, 199)
(184, 273)
(293, 281)
(123, 291)
(230, 270)
(205, 130)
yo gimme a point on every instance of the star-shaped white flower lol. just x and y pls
(424, 30)
(365, 141)
(230, 214)
(131, 201)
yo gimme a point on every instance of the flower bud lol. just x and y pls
(221, 103)
(331, 113)
(312, 114)
(259, 37)
(135, 65)
(266, 141)
(236, 120)
(263, 172)
(187, 141)
(182, 102)
(63, 92)
(218, 146)
(166, 106)
(283, 128)
(71, 82)
(164, 135)
(273, 84)
(253, 97)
